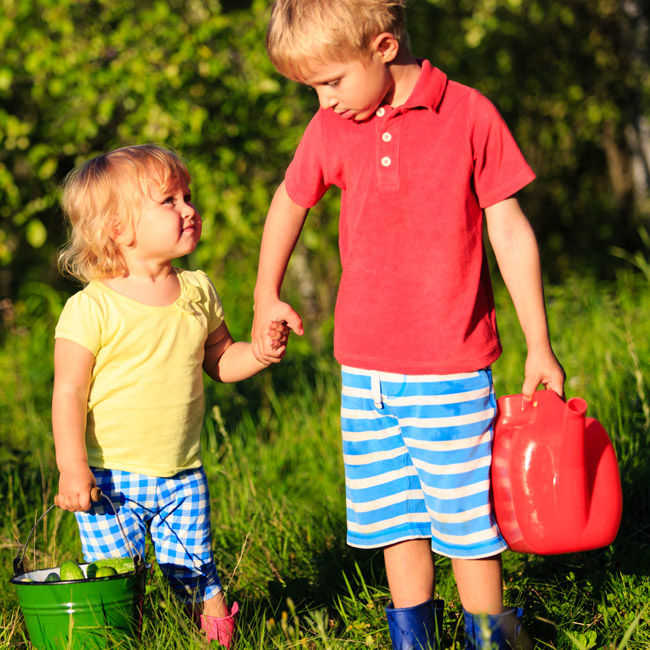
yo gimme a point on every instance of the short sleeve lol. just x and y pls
(500, 169)
(306, 178)
(80, 322)
(212, 302)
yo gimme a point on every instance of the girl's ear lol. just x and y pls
(119, 232)
(386, 45)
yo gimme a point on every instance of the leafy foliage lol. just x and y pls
(80, 77)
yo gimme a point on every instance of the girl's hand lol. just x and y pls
(278, 332)
(74, 489)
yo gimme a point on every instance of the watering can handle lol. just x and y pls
(95, 496)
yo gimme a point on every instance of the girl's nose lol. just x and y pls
(188, 210)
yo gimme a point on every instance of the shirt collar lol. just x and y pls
(429, 89)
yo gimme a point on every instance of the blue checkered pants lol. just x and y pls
(175, 511)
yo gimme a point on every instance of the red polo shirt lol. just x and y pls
(415, 295)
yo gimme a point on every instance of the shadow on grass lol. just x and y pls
(596, 593)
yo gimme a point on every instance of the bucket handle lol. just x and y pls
(96, 495)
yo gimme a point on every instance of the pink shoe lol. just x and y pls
(221, 629)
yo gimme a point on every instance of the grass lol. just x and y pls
(272, 455)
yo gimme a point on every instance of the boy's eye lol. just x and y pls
(169, 199)
(187, 198)
(333, 84)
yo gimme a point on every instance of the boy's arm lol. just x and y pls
(517, 254)
(72, 371)
(281, 231)
(227, 360)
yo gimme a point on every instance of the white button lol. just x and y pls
(386, 137)
(380, 111)
(385, 161)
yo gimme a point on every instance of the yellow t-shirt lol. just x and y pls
(145, 406)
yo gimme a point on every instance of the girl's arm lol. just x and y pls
(517, 254)
(72, 371)
(227, 360)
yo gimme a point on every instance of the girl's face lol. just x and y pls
(168, 225)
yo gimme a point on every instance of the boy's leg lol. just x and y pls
(410, 572)
(414, 617)
(386, 507)
(488, 624)
(479, 584)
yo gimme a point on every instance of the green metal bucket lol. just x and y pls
(91, 614)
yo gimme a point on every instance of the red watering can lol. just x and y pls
(555, 481)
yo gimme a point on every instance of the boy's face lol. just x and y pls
(353, 90)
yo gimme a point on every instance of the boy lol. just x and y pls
(419, 159)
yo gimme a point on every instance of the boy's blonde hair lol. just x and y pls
(103, 197)
(302, 32)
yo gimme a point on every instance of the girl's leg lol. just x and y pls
(219, 625)
(215, 606)
(410, 572)
(182, 537)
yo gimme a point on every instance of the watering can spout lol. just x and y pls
(572, 477)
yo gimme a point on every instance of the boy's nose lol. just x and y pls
(326, 100)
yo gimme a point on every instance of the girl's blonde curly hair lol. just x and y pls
(103, 197)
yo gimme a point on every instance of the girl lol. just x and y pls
(128, 403)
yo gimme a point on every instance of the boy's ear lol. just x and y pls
(386, 45)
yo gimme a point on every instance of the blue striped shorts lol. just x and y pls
(417, 451)
(175, 510)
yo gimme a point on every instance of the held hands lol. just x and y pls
(74, 489)
(276, 340)
(272, 322)
(542, 367)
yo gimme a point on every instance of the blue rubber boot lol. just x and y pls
(416, 628)
(499, 631)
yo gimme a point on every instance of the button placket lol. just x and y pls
(387, 152)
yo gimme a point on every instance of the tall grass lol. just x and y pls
(272, 455)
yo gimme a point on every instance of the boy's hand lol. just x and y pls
(265, 321)
(543, 368)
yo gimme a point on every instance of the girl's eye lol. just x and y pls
(333, 84)
(169, 199)
(187, 198)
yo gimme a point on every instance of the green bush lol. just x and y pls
(80, 77)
